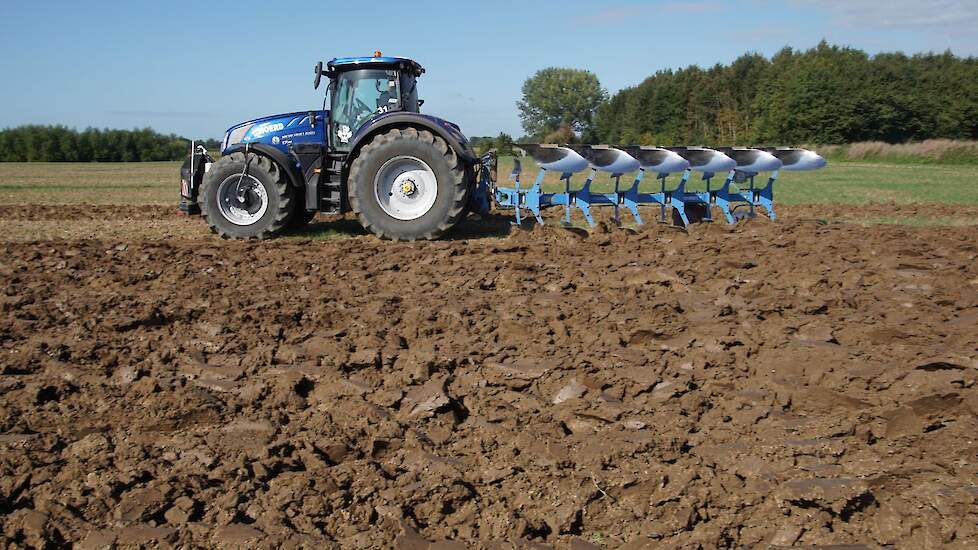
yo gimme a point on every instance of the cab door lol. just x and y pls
(357, 97)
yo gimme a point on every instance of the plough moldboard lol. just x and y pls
(740, 164)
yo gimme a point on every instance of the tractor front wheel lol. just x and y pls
(408, 184)
(246, 197)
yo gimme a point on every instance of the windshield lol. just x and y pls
(357, 96)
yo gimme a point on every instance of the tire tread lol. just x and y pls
(280, 185)
(458, 173)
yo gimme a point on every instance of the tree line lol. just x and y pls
(502, 144)
(61, 144)
(826, 95)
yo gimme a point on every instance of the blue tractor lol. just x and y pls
(406, 175)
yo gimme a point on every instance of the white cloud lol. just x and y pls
(949, 15)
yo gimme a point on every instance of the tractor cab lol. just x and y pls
(362, 88)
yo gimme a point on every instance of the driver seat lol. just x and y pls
(384, 99)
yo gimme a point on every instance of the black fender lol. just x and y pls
(441, 128)
(282, 159)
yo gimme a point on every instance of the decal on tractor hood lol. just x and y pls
(259, 131)
(279, 131)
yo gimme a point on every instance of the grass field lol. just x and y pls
(89, 183)
(155, 183)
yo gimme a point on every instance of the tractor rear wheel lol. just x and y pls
(408, 184)
(246, 197)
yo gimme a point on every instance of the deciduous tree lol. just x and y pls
(556, 97)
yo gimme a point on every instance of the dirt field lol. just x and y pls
(769, 384)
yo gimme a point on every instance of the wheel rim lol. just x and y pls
(243, 200)
(406, 188)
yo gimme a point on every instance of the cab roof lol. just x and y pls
(341, 64)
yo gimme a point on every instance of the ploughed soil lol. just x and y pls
(766, 384)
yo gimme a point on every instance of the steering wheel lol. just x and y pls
(362, 109)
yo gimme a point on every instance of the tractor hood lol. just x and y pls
(277, 130)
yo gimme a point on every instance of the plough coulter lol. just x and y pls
(740, 164)
(410, 176)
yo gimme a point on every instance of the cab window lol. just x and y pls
(357, 97)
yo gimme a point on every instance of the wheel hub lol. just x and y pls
(406, 188)
(242, 199)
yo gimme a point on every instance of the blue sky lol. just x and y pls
(195, 68)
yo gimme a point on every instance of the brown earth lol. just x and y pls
(769, 384)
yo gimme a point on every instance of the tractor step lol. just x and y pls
(323, 173)
(333, 199)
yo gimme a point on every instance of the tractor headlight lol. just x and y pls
(236, 135)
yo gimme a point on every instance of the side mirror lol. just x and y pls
(318, 72)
